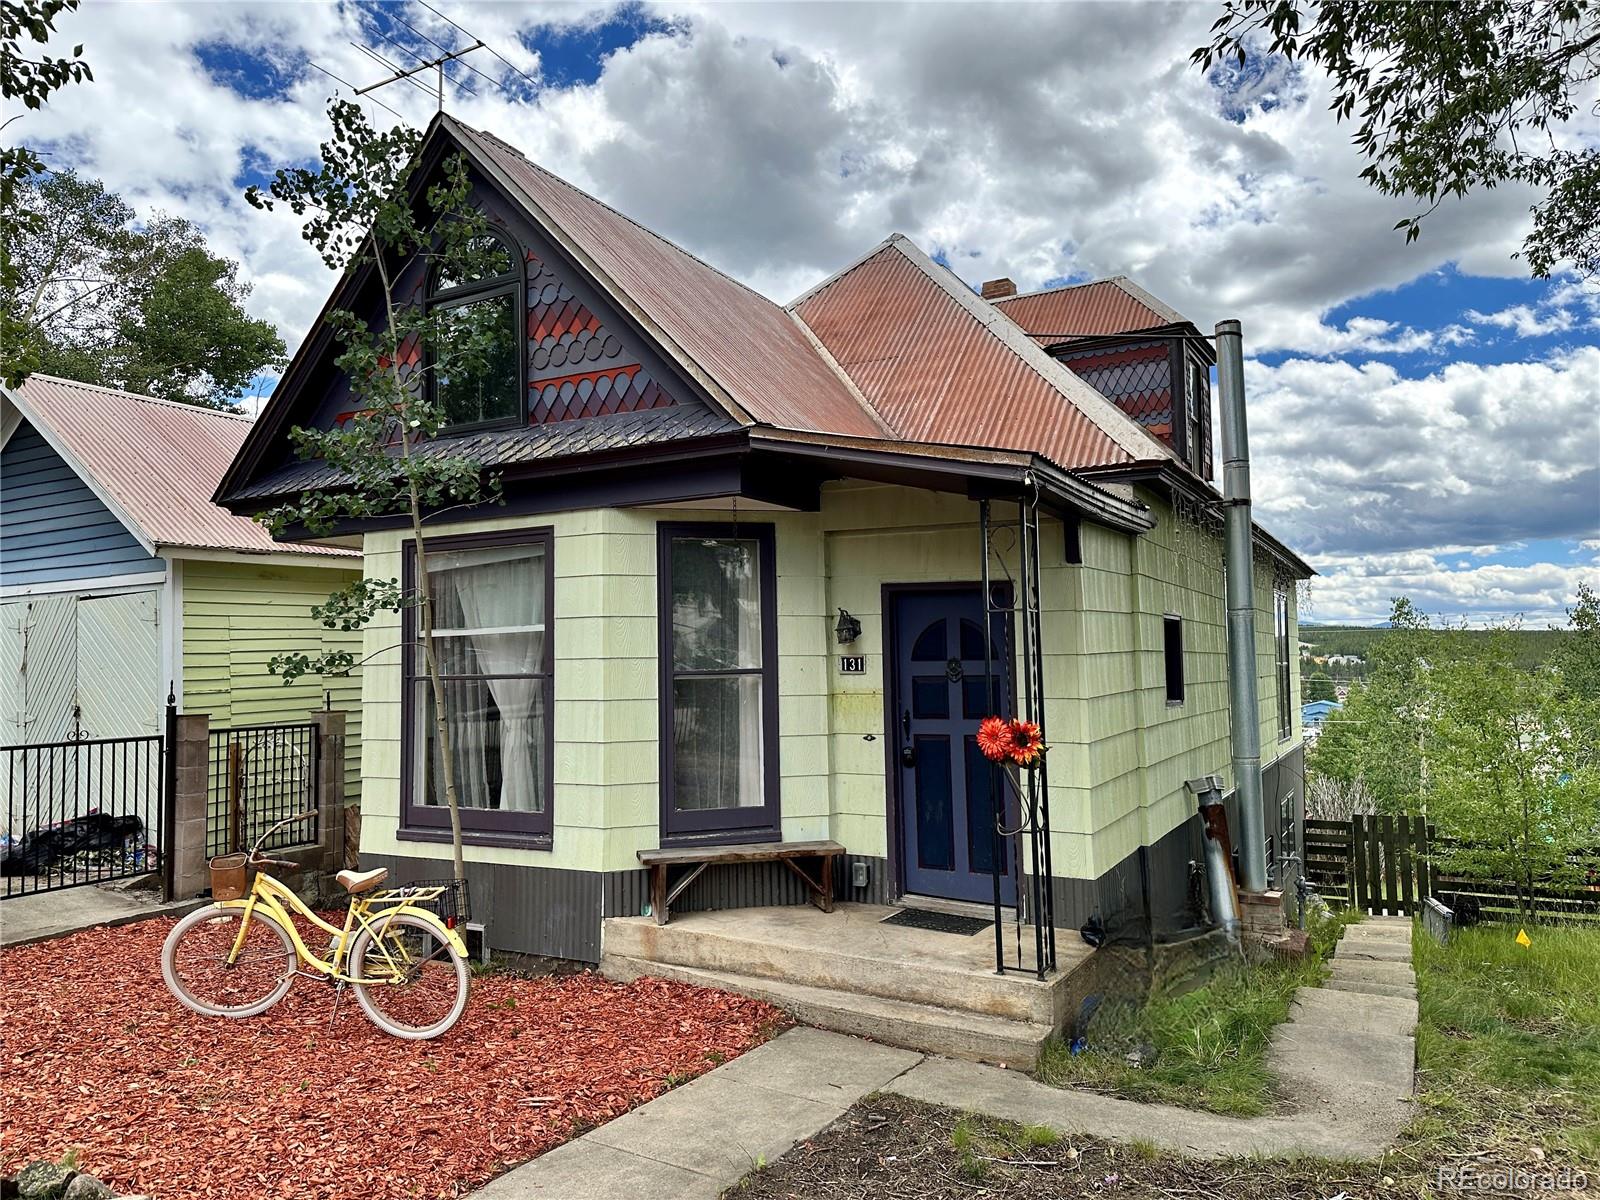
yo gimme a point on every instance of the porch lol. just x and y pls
(849, 971)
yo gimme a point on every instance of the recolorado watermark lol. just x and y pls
(1513, 1180)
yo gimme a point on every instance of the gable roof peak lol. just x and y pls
(592, 198)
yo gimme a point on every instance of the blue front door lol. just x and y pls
(947, 843)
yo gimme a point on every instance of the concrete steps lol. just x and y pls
(1399, 991)
(854, 954)
(931, 1029)
(1357, 1032)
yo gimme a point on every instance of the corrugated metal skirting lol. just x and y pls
(524, 910)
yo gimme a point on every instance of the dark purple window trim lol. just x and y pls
(754, 824)
(531, 829)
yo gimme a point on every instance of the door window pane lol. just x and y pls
(935, 828)
(930, 697)
(716, 742)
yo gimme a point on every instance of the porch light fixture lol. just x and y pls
(848, 629)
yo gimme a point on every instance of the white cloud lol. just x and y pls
(781, 140)
(1361, 588)
(1357, 459)
(1525, 320)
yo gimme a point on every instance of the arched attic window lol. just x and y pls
(477, 375)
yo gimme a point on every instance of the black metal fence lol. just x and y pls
(258, 775)
(80, 811)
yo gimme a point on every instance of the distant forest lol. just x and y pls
(1534, 646)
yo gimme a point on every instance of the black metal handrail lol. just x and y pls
(1031, 835)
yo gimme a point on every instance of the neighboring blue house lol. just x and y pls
(1315, 714)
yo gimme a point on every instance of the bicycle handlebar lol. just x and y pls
(255, 859)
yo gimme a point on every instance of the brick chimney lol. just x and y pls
(999, 289)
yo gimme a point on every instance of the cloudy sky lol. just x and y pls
(1425, 419)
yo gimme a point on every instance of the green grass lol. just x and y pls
(1211, 1043)
(983, 1142)
(1508, 1044)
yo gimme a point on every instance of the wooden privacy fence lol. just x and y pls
(1474, 898)
(1379, 864)
(1391, 864)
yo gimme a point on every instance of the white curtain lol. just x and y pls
(503, 595)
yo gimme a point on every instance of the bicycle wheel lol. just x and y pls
(195, 966)
(414, 983)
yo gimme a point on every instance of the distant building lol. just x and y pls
(1314, 715)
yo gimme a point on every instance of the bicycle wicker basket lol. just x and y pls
(228, 876)
(450, 905)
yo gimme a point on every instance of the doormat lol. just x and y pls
(939, 922)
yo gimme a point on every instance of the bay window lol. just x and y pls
(719, 770)
(492, 637)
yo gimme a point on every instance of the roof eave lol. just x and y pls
(1172, 474)
(977, 465)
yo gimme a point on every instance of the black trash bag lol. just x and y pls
(35, 853)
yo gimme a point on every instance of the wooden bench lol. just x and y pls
(698, 858)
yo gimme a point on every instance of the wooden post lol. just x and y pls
(1358, 864)
(1402, 850)
(1391, 887)
(235, 794)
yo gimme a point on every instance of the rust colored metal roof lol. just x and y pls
(744, 348)
(1096, 309)
(154, 461)
(941, 365)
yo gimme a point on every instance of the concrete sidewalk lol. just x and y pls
(1345, 1058)
(698, 1140)
(45, 915)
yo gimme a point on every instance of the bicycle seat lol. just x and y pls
(361, 881)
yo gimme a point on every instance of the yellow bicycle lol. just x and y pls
(239, 956)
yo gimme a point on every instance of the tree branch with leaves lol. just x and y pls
(366, 212)
(1451, 97)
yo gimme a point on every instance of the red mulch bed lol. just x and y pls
(96, 1056)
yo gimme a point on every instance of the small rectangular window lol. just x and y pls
(1173, 634)
(1198, 414)
(1280, 629)
(1072, 543)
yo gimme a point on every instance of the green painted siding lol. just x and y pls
(236, 617)
(1120, 757)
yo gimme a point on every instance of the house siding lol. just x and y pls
(236, 618)
(53, 528)
(1120, 756)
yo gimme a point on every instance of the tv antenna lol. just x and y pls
(436, 64)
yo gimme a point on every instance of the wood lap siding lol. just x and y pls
(52, 527)
(236, 617)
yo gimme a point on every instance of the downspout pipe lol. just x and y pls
(1244, 709)
(1207, 791)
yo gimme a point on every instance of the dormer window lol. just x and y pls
(477, 375)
